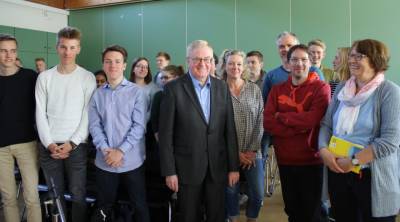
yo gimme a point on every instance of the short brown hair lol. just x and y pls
(297, 47)
(148, 78)
(7, 37)
(258, 54)
(163, 54)
(114, 48)
(69, 33)
(174, 70)
(376, 51)
(39, 59)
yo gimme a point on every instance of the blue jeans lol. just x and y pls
(255, 191)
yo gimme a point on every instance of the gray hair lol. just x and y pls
(286, 33)
(197, 44)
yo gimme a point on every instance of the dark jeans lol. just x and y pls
(350, 196)
(75, 168)
(301, 191)
(133, 186)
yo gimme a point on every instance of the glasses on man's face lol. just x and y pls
(141, 67)
(356, 56)
(206, 60)
(298, 60)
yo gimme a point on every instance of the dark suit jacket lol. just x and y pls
(188, 145)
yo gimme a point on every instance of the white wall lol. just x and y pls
(28, 15)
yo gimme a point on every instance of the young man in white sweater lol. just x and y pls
(62, 96)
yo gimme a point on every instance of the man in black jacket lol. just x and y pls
(198, 146)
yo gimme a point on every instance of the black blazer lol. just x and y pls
(188, 145)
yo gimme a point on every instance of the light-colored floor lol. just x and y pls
(272, 210)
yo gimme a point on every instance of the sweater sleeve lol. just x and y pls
(388, 140)
(271, 124)
(258, 128)
(82, 132)
(41, 116)
(307, 120)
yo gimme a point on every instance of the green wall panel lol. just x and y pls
(33, 44)
(379, 20)
(52, 60)
(90, 22)
(323, 19)
(212, 21)
(28, 58)
(258, 29)
(31, 40)
(6, 30)
(122, 26)
(51, 42)
(164, 30)
(168, 25)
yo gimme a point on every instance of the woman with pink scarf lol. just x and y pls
(364, 111)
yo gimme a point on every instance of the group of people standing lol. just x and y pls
(208, 127)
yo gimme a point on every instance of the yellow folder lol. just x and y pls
(344, 148)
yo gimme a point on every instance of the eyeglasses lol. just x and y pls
(141, 67)
(206, 60)
(298, 60)
(357, 56)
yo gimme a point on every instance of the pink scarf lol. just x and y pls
(349, 113)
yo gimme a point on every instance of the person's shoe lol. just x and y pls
(243, 199)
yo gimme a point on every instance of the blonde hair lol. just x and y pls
(317, 42)
(227, 54)
(343, 71)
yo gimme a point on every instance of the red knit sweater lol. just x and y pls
(292, 116)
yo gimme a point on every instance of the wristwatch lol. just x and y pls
(355, 161)
(73, 145)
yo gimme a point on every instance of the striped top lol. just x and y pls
(333, 85)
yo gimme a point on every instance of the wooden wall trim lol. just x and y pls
(80, 4)
(53, 3)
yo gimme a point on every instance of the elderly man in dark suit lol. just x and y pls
(198, 147)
